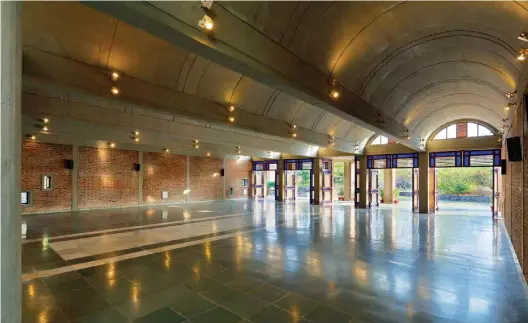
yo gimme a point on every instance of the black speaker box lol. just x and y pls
(514, 149)
(137, 167)
(68, 163)
(503, 166)
(222, 172)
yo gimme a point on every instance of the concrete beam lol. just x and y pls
(59, 77)
(240, 47)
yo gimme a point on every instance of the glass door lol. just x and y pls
(373, 188)
(290, 188)
(415, 190)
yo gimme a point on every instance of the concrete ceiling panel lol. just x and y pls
(217, 84)
(139, 54)
(284, 107)
(326, 123)
(69, 30)
(444, 115)
(193, 77)
(257, 13)
(252, 96)
(341, 128)
(307, 115)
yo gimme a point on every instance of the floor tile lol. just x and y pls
(217, 315)
(268, 293)
(275, 315)
(245, 305)
(192, 306)
(110, 315)
(296, 304)
(221, 294)
(244, 283)
(324, 314)
(164, 315)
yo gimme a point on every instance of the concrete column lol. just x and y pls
(188, 177)
(280, 170)
(75, 178)
(363, 185)
(389, 182)
(224, 183)
(349, 173)
(140, 178)
(10, 145)
(318, 179)
(423, 188)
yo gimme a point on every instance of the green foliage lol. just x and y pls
(270, 185)
(461, 181)
(381, 193)
(396, 193)
(303, 178)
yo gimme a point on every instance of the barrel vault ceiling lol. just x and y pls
(417, 64)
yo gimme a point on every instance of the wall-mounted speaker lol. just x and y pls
(222, 172)
(503, 166)
(68, 163)
(137, 167)
(513, 144)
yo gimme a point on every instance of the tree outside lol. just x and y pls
(465, 181)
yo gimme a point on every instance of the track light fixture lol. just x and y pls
(523, 53)
(112, 145)
(331, 140)
(511, 95)
(33, 137)
(196, 144)
(208, 154)
(231, 119)
(356, 148)
(166, 150)
(380, 120)
(206, 4)
(206, 23)
(334, 91)
(45, 128)
(508, 106)
(114, 76)
(238, 150)
(114, 90)
(231, 108)
(292, 130)
(523, 36)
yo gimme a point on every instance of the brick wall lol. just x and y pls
(204, 186)
(516, 194)
(461, 130)
(107, 177)
(39, 159)
(236, 170)
(163, 172)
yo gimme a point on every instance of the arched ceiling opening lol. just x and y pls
(422, 63)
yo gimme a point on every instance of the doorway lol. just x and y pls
(474, 190)
(265, 184)
(298, 180)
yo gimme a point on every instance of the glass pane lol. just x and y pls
(384, 140)
(483, 131)
(376, 141)
(441, 134)
(472, 129)
(451, 131)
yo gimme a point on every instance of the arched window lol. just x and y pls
(463, 130)
(380, 140)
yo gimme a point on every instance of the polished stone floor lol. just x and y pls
(244, 261)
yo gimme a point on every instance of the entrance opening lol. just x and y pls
(339, 181)
(298, 184)
(468, 189)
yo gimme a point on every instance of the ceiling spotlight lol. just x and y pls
(408, 137)
(208, 154)
(231, 108)
(136, 139)
(45, 128)
(356, 148)
(45, 120)
(294, 135)
(334, 94)
(206, 4)
(114, 76)
(331, 140)
(166, 150)
(114, 90)
(523, 36)
(215, 174)
(136, 133)
(238, 149)
(112, 145)
(508, 106)
(231, 119)
(511, 95)
(206, 23)
(33, 137)
(522, 54)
